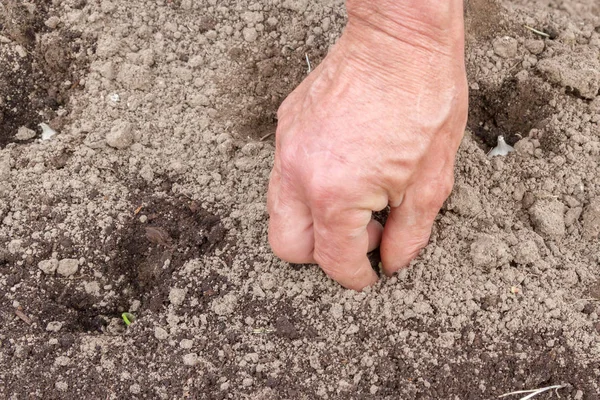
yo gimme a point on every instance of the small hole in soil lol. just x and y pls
(511, 110)
(176, 231)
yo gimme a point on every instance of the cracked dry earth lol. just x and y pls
(150, 199)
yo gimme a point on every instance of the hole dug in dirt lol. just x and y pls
(149, 252)
(511, 110)
(143, 257)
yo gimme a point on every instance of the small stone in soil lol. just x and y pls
(25, 133)
(190, 359)
(505, 47)
(120, 136)
(48, 266)
(160, 333)
(177, 296)
(54, 326)
(67, 267)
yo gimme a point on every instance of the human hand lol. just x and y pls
(378, 122)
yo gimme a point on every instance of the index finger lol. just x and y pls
(341, 245)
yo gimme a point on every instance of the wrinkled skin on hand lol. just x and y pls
(378, 122)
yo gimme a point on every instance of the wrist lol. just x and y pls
(406, 37)
(430, 24)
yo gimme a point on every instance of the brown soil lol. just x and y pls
(151, 200)
(41, 68)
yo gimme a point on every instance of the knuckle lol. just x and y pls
(322, 196)
(328, 195)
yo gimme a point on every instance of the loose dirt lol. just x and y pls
(150, 199)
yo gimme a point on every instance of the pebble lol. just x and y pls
(54, 326)
(67, 267)
(548, 218)
(177, 296)
(535, 46)
(62, 361)
(267, 281)
(526, 252)
(135, 388)
(160, 333)
(52, 22)
(505, 47)
(337, 311)
(25, 133)
(250, 34)
(107, 7)
(120, 136)
(186, 344)
(61, 386)
(4, 167)
(225, 305)
(591, 219)
(48, 266)
(247, 382)
(191, 359)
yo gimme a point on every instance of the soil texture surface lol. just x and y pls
(145, 191)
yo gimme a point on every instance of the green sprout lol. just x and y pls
(128, 318)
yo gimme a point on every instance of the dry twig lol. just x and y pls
(534, 392)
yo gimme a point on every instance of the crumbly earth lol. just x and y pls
(150, 199)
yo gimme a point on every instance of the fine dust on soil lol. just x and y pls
(151, 200)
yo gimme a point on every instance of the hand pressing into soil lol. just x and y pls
(378, 122)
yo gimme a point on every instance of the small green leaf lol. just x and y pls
(128, 318)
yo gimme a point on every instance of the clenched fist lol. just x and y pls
(378, 123)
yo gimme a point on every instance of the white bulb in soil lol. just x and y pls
(501, 149)
(47, 132)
